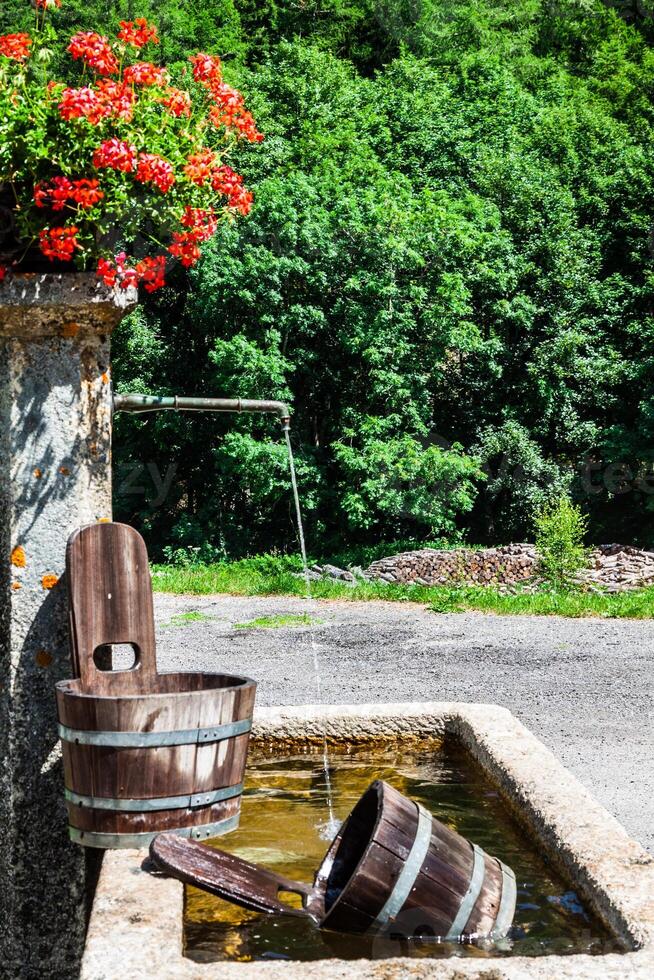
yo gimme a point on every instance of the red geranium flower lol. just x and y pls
(241, 120)
(54, 195)
(117, 98)
(138, 32)
(59, 243)
(117, 272)
(86, 193)
(15, 46)
(60, 190)
(201, 222)
(230, 112)
(116, 154)
(81, 103)
(45, 4)
(185, 248)
(206, 68)
(177, 102)
(145, 73)
(111, 99)
(108, 272)
(199, 167)
(229, 183)
(150, 271)
(95, 50)
(153, 169)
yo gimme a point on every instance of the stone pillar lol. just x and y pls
(55, 475)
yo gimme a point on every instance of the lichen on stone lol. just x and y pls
(18, 557)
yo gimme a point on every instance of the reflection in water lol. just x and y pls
(282, 811)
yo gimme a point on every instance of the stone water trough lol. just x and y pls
(136, 925)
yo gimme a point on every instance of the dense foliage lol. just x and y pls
(447, 271)
(110, 151)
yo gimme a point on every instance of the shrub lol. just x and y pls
(560, 530)
(120, 150)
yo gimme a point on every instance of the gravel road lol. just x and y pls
(584, 687)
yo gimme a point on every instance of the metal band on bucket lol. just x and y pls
(161, 803)
(470, 897)
(145, 740)
(202, 831)
(410, 870)
(506, 911)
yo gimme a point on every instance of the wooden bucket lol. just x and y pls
(143, 752)
(392, 866)
(394, 859)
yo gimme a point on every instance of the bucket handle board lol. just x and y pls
(230, 877)
(110, 594)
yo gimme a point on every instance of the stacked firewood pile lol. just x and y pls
(618, 567)
(611, 567)
(507, 565)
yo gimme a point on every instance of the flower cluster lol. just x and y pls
(149, 271)
(229, 106)
(201, 225)
(226, 181)
(108, 99)
(142, 152)
(230, 111)
(145, 73)
(153, 169)
(59, 243)
(15, 46)
(202, 222)
(177, 102)
(60, 191)
(117, 155)
(95, 51)
(200, 166)
(138, 32)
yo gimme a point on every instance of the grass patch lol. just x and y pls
(183, 619)
(278, 622)
(269, 577)
(638, 604)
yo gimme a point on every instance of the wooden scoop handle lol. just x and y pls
(226, 875)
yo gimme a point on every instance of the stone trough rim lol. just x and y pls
(136, 922)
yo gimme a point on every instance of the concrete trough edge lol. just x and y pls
(136, 924)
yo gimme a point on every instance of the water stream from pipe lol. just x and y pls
(329, 829)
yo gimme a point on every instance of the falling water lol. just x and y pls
(330, 828)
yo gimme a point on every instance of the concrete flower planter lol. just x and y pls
(136, 922)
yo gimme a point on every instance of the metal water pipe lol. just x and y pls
(136, 403)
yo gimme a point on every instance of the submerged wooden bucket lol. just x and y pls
(392, 866)
(143, 752)
(394, 860)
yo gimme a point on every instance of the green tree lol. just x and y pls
(560, 530)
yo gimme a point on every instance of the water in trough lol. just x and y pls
(283, 812)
